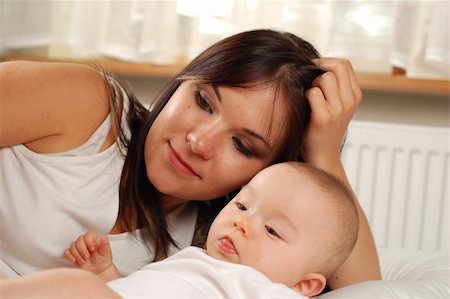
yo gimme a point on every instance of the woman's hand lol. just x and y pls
(334, 97)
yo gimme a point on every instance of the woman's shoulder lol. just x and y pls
(62, 102)
(16, 71)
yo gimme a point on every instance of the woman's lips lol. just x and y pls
(178, 163)
(226, 246)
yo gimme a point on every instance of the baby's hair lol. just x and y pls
(347, 222)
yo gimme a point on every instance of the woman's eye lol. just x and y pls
(272, 232)
(242, 148)
(202, 102)
(241, 206)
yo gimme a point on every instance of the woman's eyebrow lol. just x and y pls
(257, 136)
(217, 92)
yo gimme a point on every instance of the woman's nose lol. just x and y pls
(202, 141)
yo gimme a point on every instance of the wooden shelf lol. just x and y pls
(376, 82)
(399, 83)
(136, 69)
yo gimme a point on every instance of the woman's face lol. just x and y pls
(209, 140)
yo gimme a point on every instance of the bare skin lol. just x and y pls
(59, 104)
(82, 284)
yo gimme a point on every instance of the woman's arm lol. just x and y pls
(334, 98)
(50, 107)
(56, 284)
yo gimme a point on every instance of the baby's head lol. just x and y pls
(293, 222)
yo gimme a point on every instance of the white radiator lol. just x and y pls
(400, 174)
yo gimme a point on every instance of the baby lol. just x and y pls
(288, 230)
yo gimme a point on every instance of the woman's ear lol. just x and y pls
(311, 284)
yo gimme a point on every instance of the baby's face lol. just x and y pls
(271, 225)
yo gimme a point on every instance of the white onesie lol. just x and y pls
(191, 273)
(48, 200)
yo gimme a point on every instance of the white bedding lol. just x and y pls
(406, 275)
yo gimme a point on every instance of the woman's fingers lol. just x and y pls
(320, 111)
(349, 89)
(330, 89)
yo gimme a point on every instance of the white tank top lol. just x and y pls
(48, 200)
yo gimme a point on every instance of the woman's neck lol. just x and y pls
(170, 203)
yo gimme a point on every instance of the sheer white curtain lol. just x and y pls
(374, 35)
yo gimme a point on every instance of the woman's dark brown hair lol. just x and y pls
(259, 56)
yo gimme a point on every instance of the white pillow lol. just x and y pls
(406, 275)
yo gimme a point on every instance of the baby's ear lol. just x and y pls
(311, 284)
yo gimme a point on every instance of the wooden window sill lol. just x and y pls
(376, 82)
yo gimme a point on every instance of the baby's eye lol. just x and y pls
(241, 206)
(272, 232)
(202, 102)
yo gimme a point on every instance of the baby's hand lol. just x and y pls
(90, 252)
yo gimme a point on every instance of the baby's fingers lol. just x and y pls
(80, 244)
(69, 256)
(90, 240)
(73, 255)
(104, 248)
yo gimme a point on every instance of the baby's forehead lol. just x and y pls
(282, 171)
(290, 184)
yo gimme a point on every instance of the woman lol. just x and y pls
(250, 100)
